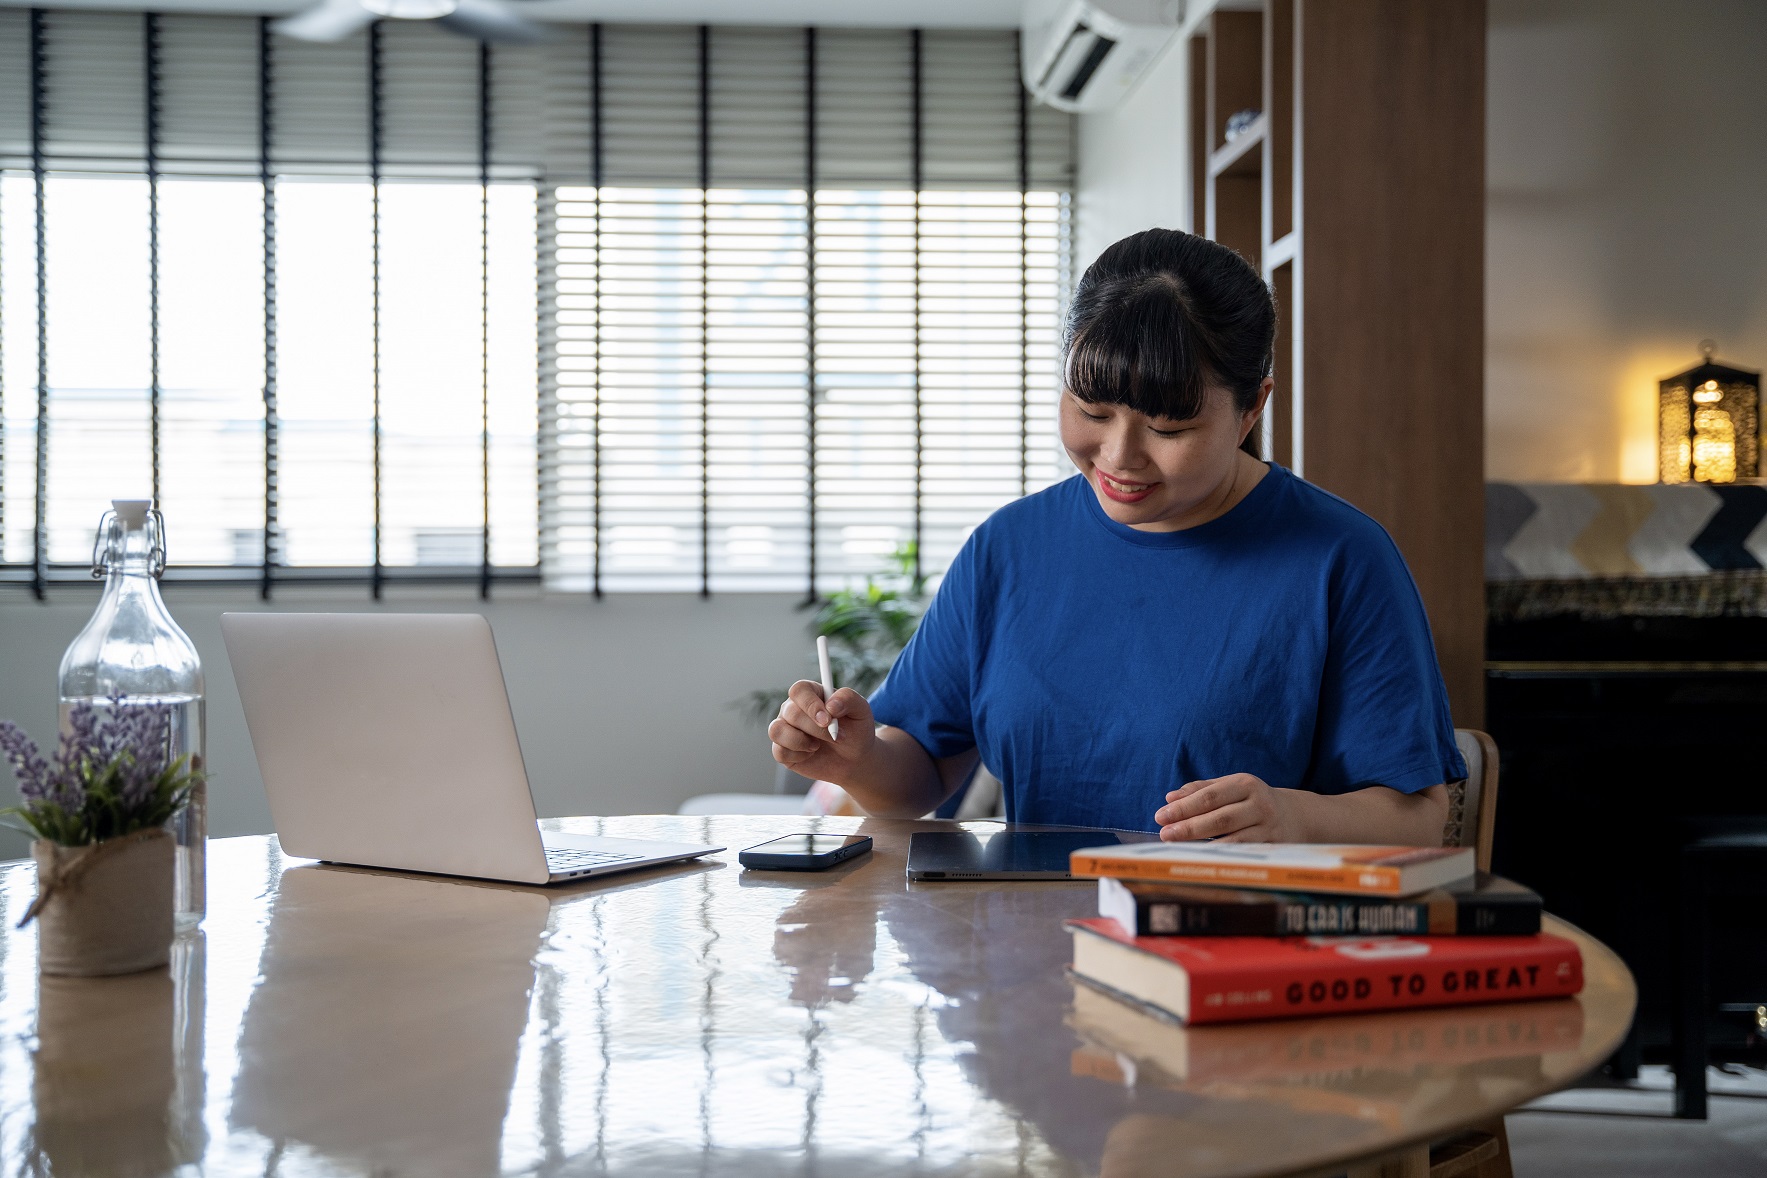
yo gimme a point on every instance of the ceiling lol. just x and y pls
(970, 14)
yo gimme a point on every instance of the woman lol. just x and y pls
(1180, 636)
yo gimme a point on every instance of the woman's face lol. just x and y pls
(1154, 473)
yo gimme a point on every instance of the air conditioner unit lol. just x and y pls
(1083, 55)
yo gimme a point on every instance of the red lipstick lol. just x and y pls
(1119, 495)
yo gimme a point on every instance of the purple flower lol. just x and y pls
(113, 771)
(138, 737)
(27, 761)
(82, 730)
(66, 780)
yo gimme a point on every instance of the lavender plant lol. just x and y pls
(113, 774)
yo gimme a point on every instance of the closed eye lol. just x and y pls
(1170, 433)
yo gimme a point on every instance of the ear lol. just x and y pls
(1249, 418)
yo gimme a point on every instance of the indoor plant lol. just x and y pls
(866, 629)
(104, 857)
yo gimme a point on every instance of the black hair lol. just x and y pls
(1161, 317)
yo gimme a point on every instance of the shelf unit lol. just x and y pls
(1358, 192)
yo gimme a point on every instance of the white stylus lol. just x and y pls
(834, 726)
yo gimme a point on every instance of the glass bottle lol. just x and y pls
(132, 648)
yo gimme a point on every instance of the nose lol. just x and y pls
(1120, 449)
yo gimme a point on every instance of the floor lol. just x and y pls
(1628, 1132)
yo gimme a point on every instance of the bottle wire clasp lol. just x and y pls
(107, 544)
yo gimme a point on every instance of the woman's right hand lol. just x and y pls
(800, 734)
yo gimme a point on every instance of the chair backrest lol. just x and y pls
(1472, 804)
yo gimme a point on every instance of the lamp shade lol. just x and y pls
(1707, 423)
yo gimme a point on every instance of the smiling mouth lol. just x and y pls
(1124, 492)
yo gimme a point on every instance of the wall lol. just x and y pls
(1625, 174)
(1626, 219)
(621, 704)
(1132, 162)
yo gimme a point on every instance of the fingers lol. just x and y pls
(1220, 807)
(1183, 803)
(1225, 822)
(805, 709)
(1199, 797)
(787, 756)
(847, 704)
(1189, 788)
(788, 735)
(806, 698)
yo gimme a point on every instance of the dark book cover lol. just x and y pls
(1487, 905)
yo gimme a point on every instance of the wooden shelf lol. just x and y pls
(1366, 227)
(1244, 156)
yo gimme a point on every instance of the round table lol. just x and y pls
(703, 1019)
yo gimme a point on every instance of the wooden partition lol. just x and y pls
(1358, 191)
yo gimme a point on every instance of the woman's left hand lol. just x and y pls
(1239, 808)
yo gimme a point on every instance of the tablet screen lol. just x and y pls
(1005, 853)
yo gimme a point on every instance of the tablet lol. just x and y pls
(1003, 854)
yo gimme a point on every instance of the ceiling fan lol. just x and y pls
(481, 20)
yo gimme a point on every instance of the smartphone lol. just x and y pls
(805, 852)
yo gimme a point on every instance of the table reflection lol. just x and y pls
(1334, 1079)
(361, 972)
(103, 1085)
(1148, 1088)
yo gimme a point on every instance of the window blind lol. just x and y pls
(807, 306)
(639, 307)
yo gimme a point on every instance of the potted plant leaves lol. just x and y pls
(104, 857)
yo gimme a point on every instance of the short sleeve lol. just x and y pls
(928, 692)
(1383, 710)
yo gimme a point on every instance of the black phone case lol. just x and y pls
(765, 861)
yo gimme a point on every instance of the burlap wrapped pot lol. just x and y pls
(105, 908)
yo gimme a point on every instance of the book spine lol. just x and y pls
(1356, 880)
(1480, 916)
(1553, 970)
(1470, 916)
(1168, 918)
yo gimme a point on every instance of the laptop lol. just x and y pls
(386, 740)
(999, 854)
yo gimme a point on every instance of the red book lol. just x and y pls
(1236, 979)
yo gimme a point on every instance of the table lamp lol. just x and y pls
(1707, 423)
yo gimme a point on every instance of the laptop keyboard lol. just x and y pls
(564, 860)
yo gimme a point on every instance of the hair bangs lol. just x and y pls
(1139, 349)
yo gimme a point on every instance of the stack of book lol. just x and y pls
(1229, 932)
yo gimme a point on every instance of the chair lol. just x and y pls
(1472, 804)
(1472, 822)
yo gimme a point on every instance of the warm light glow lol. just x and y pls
(1676, 449)
(1714, 446)
(1708, 394)
(1637, 411)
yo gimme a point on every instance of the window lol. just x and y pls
(639, 309)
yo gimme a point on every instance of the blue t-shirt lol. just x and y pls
(1096, 666)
